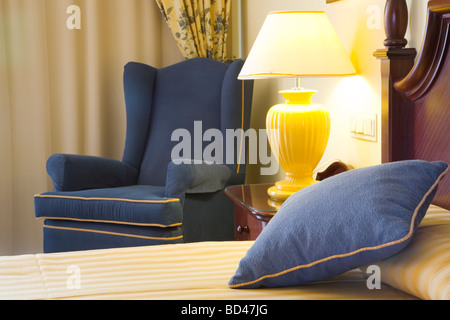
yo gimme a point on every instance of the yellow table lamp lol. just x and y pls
(297, 44)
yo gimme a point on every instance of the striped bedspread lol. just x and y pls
(202, 271)
(423, 268)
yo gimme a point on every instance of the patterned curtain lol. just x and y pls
(200, 27)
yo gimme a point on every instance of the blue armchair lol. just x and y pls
(156, 194)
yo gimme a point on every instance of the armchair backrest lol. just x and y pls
(194, 95)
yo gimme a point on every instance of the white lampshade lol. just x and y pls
(297, 44)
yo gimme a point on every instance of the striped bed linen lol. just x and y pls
(199, 271)
(423, 268)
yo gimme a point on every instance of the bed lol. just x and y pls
(195, 271)
(414, 124)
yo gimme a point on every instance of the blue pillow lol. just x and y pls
(346, 221)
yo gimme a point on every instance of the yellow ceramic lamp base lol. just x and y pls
(298, 133)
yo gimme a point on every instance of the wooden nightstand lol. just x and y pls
(253, 207)
(252, 210)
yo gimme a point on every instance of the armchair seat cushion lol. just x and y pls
(132, 205)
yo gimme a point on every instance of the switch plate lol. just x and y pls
(364, 126)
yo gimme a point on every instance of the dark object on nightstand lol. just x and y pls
(253, 207)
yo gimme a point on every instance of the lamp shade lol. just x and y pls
(297, 44)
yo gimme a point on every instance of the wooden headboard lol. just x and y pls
(416, 91)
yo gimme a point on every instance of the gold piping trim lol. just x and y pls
(114, 222)
(113, 233)
(107, 199)
(242, 126)
(337, 256)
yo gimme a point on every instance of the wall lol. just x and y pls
(360, 26)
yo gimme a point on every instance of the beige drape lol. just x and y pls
(61, 91)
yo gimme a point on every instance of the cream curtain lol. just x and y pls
(200, 27)
(61, 91)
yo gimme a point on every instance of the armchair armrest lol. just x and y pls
(196, 178)
(77, 172)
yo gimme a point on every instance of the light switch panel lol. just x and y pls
(364, 126)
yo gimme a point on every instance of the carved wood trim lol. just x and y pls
(396, 23)
(332, 170)
(432, 57)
